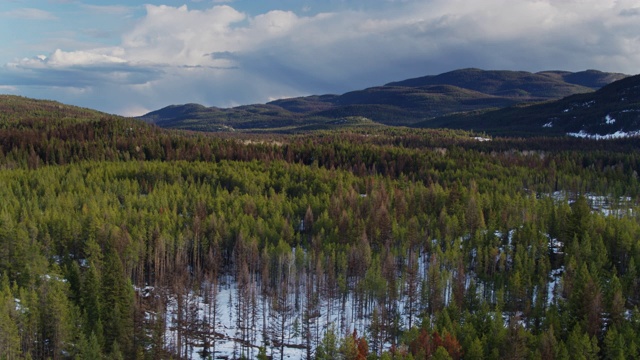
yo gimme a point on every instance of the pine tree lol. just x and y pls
(475, 351)
(548, 344)
(376, 331)
(30, 322)
(9, 335)
(117, 304)
(57, 316)
(412, 286)
(614, 345)
(348, 348)
(441, 354)
(616, 301)
(262, 353)
(328, 347)
(580, 346)
(281, 313)
(90, 299)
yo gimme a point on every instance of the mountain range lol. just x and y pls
(481, 100)
(610, 112)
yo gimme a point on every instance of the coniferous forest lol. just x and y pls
(121, 240)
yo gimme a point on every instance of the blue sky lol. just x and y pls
(130, 57)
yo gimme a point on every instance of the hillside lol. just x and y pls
(400, 103)
(16, 109)
(34, 133)
(612, 111)
(544, 85)
(590, 78)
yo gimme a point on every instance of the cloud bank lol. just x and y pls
(223, 57)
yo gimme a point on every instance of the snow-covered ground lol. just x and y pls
(226, 341)
(553, 286)
(224, 336)
(605, 205)
(616, 135)
(342, 313)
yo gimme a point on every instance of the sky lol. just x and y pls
(132, 57)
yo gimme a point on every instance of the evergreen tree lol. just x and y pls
(9, 335)
(614, 345)
(475, 351)
(117, 304)
(328, 349)
(580, 346)
(57, 317)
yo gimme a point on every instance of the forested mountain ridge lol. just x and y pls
(18, 108)
(541, 85)
(119, 239)
(400, 103)
(612, 111)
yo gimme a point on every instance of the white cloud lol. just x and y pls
(29, 14)
(180, 36)
(108, 9)
(221, 56)
(61, 58)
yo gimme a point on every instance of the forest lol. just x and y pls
(120, 240)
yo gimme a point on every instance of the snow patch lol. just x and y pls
(145, 292)
(609, 120)
(616, 135)
(606, 205)
(555, 245)
(481, 139)
(548, 125)
(553, 286)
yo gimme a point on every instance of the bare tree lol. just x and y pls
(281, 314)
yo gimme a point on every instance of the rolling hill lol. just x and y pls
(402, 103)
(519, 84)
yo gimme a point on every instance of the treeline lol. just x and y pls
(606, 167)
